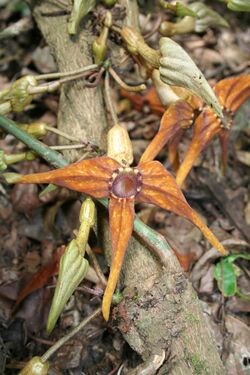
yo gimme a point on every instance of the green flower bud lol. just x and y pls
(18, 94)
(87, 220)
(8, 159)
(177, 68)
(239, 5)
(37, 129)
(207, 17)
(72, 270)
(35, 367)
(87, 212)
(100, 44)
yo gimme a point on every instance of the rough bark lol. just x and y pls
(160, 311)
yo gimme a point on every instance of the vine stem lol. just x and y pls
(155, 241)
(66, 74)
(109, 99)
(62, 134)
(67, 337)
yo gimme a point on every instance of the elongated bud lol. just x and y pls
(37, 129)
(18, 94)
(35, 367)
(186, 25)
(100, 43)
(119, 145)
(87, 220)
(87, 212)
(72, 270)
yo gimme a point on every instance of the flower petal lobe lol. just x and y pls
(121, 215)
(160, 188)
(87, 176)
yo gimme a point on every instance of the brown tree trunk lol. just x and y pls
(161, 312)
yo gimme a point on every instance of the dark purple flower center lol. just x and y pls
(125, 183)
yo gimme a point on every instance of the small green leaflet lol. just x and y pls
(226, 273)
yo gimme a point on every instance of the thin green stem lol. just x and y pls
(152, 239)
(62, 134)
(109, 100)
(124, 85)
(96, 265)
(67, 147)
(66, 74)
(64, 339)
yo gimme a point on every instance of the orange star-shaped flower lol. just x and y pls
(104, 177)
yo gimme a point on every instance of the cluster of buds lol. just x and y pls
(21, 92)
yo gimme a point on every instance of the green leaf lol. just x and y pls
(207, 17)
(72, 270)
(226, 279)
(226, 273)
(239, 5)
(80, 9)
(177, 68)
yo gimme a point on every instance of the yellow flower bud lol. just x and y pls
(119, 145)
(37, 129)
(35, 367)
